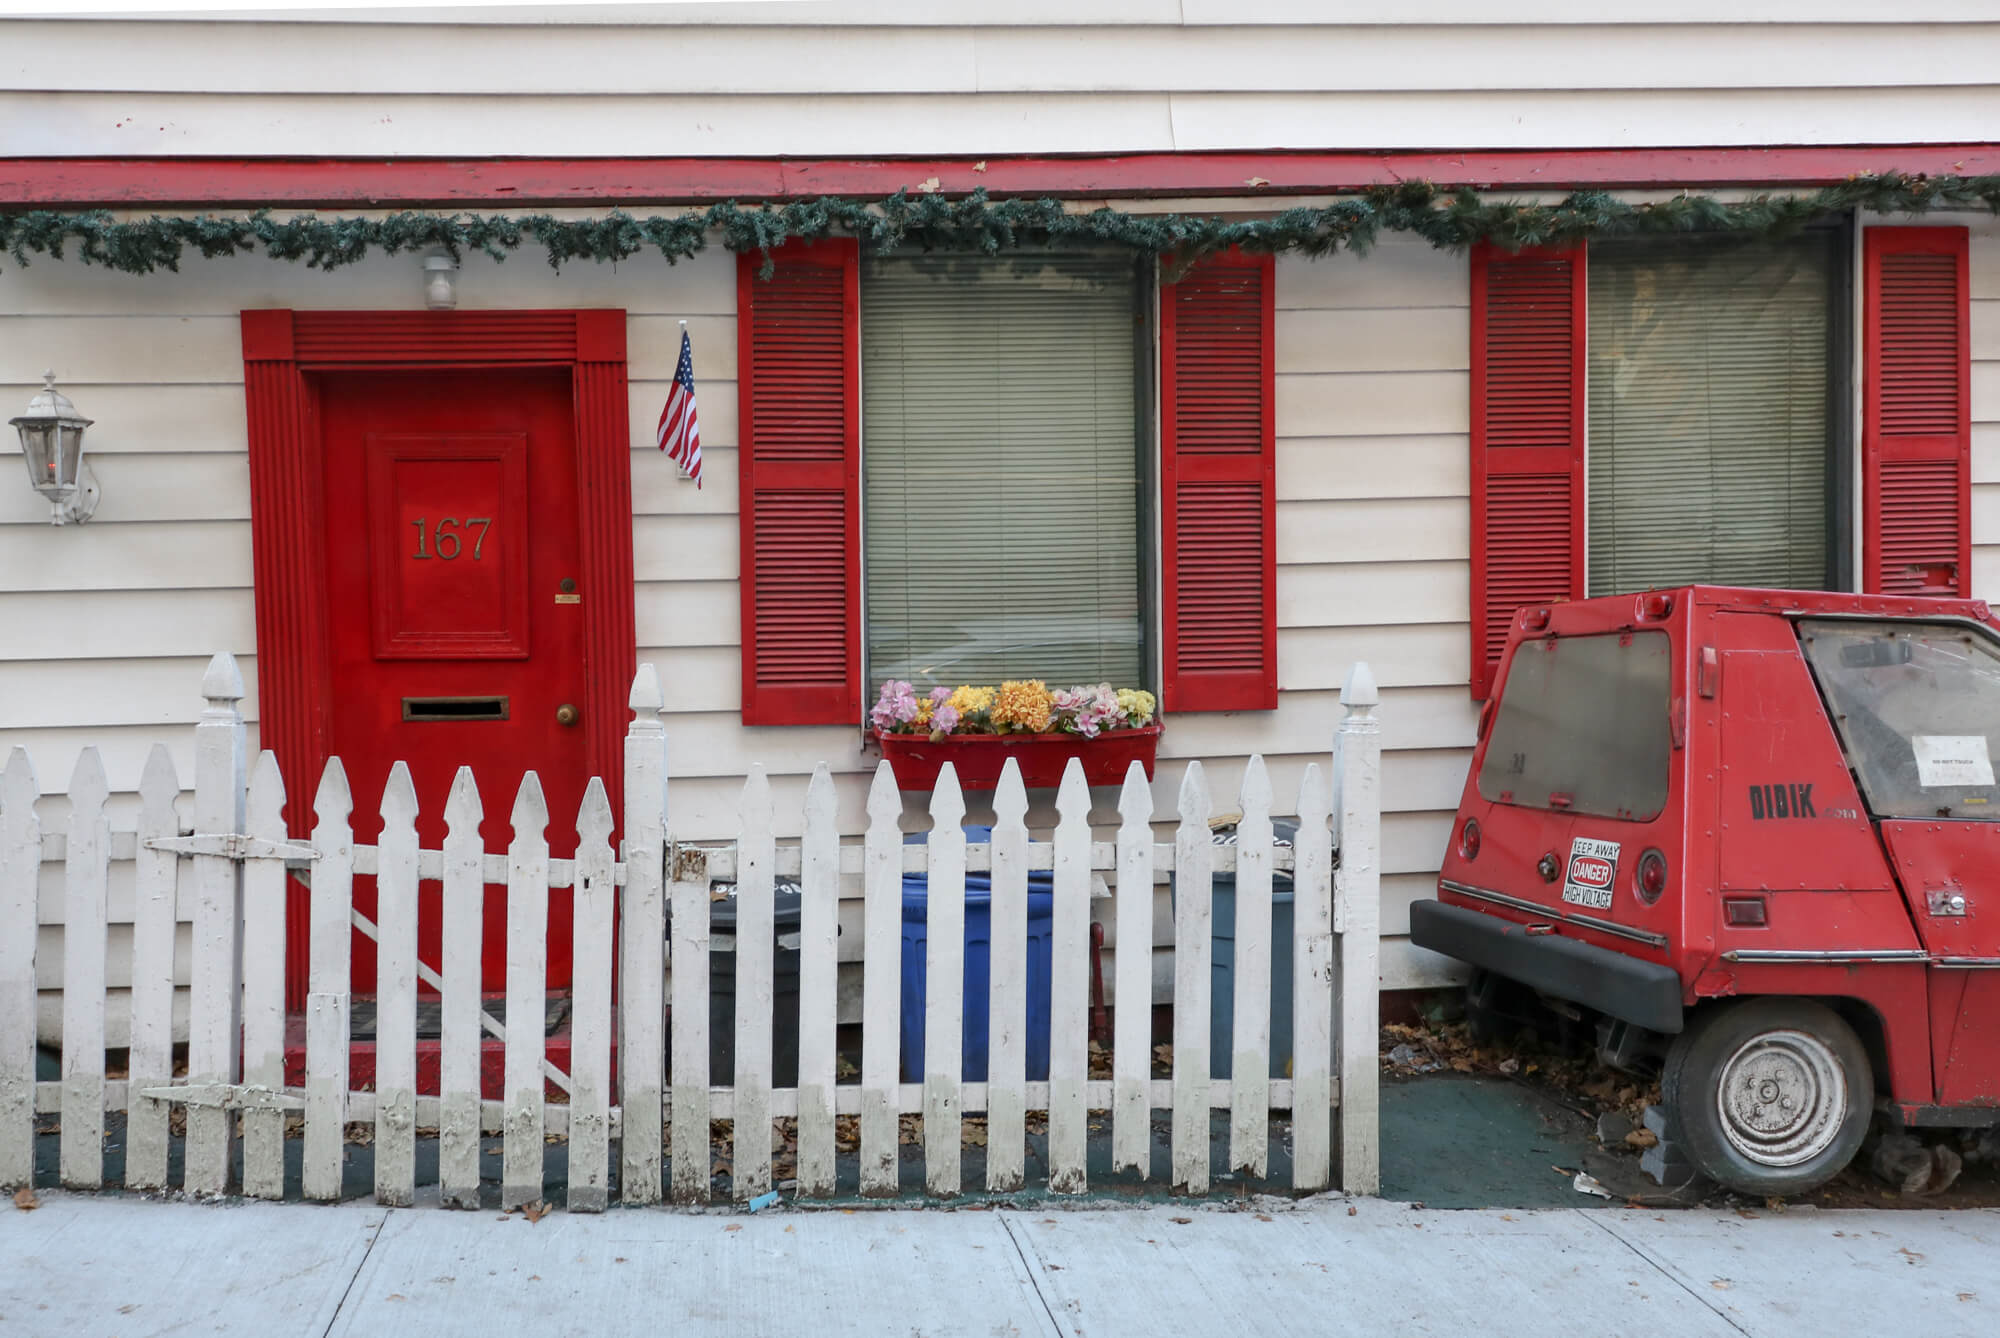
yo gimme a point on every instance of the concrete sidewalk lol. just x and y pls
(118, 1267)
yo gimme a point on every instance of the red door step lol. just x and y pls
(430, 1046)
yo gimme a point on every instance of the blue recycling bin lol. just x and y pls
(978, 958)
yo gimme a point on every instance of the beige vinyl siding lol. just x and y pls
(1984, 261)
(100, 647)
(1106, 76)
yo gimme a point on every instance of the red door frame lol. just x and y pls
(283, 350)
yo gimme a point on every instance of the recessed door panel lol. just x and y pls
(448, 538)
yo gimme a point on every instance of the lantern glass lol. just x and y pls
(54, 452)
(52, 447)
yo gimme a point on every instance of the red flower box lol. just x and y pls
(978, 758)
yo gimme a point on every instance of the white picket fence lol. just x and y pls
(235, 863)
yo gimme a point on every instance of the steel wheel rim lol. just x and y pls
(1782, 1097)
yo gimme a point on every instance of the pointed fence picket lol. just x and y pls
(264, 986)
(1007, 988)
(464, 929)
(20, 883)
(523, 1145)
(1132, 1028)
(590, 1007)
(328, 1003)
(944, 1001)
(396, 884)
(85, 881)
(151, 1059)
(1069, 985)
(648, 900)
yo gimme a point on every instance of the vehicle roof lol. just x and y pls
(1795, 603)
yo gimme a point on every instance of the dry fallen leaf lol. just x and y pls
(1351, 1210)
(1968, 1296)
(1263, 1217)
(1180, 1221)
(734, 1226)
(535, 1211)
(1721, 1284)
(25, 1200)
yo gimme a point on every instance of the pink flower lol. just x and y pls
(944, 717)
(896, 706)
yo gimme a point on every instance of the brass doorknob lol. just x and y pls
(565, 714)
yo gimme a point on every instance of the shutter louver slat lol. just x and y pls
(1527, 441)
(798, 367)
(1916, 429)
(1217, 487)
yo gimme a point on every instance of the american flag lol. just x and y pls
(679, 432)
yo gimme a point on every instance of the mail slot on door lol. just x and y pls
(454, 708)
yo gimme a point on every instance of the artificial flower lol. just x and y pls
(1025, 704)
(1137, 704)
(896, 706)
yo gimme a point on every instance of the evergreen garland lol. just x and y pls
(1450, 219)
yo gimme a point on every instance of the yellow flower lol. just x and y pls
(1137, 704)
(924, 708)
(968, 700)
(1025, 704)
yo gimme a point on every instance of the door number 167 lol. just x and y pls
(444, 537)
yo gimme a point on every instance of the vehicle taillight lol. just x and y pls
(1468, 839)
(1651, 879)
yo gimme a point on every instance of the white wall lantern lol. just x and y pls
(440, 282)
(52, 444)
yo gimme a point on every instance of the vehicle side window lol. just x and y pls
(1583, 727)
(1918, 710)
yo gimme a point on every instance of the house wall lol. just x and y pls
(1039, 77)
(104, 628)
(110, 623)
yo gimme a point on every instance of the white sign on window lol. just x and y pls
(1952, 760)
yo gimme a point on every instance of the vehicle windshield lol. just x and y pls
(1583, 727)
(1918, 709)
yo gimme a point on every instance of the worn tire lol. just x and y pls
(1769, 1096)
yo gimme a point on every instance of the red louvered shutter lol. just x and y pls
(1527, 440)
(1217, 493)
(798, 372)
(1916, 438)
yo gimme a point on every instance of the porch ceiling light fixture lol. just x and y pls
(52, 445)
(440, 282)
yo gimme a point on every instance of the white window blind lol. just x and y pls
(1000, 469)
(1709, 426)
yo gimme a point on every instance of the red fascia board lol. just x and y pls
(399, 182)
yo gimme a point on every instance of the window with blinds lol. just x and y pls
(1000, 470)
(1710, 433)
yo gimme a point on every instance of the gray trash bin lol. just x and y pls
(1222, 968)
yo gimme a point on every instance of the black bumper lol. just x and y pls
(1643, 993)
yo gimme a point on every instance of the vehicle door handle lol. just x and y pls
(566, 715)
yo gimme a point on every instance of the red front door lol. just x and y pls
(455, 613)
